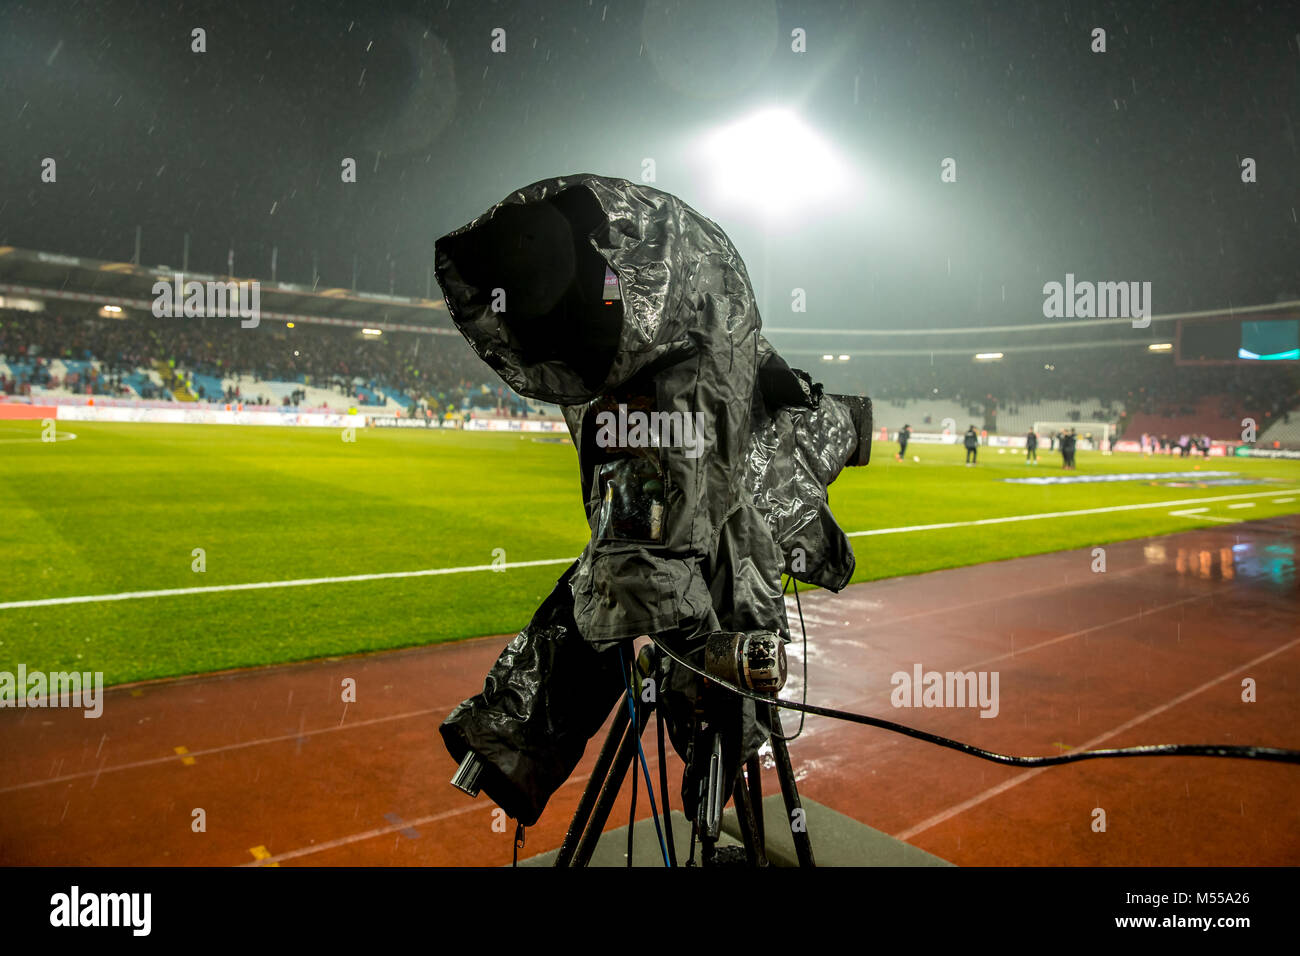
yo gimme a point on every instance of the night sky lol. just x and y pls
(1123, 165)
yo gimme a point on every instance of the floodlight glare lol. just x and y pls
(773, 161)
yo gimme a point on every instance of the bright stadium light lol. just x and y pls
(844, 358)
(773, 161)
(112, 308)
(987, 356)
(1160, 346)
(372, 332)
(21, 305)
(828, 358)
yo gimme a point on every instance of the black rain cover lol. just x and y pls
(695, 517)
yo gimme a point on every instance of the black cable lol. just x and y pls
(1274, 754)
(631, 816)
(640, 752)
(631, 813)
(663, 785)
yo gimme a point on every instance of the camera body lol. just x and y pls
(704, 463)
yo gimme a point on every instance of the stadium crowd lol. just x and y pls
(437, 370)
(1134, 380)
(441, 372)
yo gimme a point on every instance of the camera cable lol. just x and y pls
(645, 767)
(1274, 754)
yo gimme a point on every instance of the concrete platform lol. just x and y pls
(837, 841)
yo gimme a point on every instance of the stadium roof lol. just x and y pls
(1049, 336)
(49, 275)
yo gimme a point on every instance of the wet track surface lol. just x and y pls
(1154, 649)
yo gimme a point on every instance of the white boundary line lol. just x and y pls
(1055, 514)
(262, 585)
(58, 436)
(468, 569)
(1197, 514)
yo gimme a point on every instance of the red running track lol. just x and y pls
(1153, 650)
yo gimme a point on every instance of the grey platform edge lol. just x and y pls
(837, 841)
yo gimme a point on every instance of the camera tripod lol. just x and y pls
(705, 759)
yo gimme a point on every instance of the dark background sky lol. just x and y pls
(1118, 166)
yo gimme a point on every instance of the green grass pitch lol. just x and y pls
(123, 507)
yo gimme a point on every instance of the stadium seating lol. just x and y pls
(405, 373)
(1285, 430)
(1018, 418)
(925, 415)
(1218, 416)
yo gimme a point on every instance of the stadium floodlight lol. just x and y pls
(774, 161)
(844, 358)
(372, 332)
(21, 305)
(1160, 346)
(987, 356)
(288, 325)
(112, 308)
(828, 358)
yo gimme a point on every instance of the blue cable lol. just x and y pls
(645, 768)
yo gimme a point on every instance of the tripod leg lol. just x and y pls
(589, 793)
(609, 791)
(756, 795)
(663, 787)
(785, 773)
(755, 854)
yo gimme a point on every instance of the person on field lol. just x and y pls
(904, 437)
(972, 442)
(1031, 448)
(1068, 441)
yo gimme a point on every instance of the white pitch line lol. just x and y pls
(1282, 501)
(1243, 504)
(262, 585)
(1196, 515)
(429, 572)
(58, 436)
(1055, 514)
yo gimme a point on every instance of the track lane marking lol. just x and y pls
(944, 815)
(154, 761)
